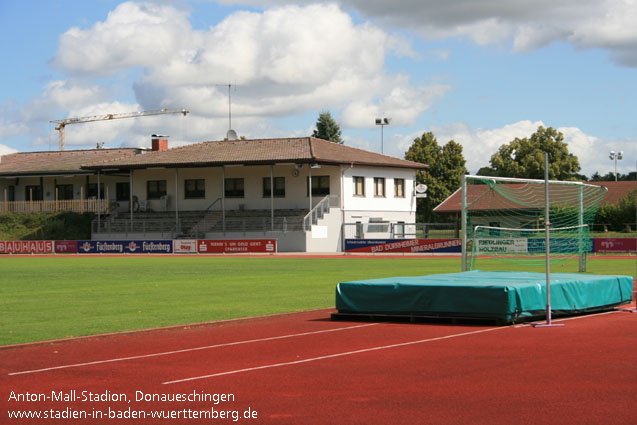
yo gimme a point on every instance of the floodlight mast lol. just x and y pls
(61, 124)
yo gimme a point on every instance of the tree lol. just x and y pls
(610, 177)
(444, 175)
(619, 214)
(327, 128)
(524, 158)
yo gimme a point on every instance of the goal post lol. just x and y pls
(509, 214)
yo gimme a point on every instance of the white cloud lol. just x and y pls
(605, 24)
(401, 102)
(5, 150)
(133, 35)
(278, 63)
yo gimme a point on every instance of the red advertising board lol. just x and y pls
(403, 245)
(66, 247)
(207, 246)
(615, 245)
(26, 247)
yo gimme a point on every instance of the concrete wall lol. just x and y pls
(326, 236)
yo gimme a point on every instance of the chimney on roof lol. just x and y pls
(159, 142)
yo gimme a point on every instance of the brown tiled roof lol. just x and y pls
(57, 162)
(481, 198)
(255, 152)
(616, 190)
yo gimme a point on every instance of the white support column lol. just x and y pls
(223, 198)
(130, 194)
(99, 203)
(272, 196)
(177, 227)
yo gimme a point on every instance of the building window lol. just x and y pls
(195, 189)
(155, 189)
(122, 191)
(494, 232)
(33, 193)
(399, 188)
(91, 192)
(64, 191)
(379, 187)
(279, 187)
(399, 229)
(233, 188)
(11, 194)
(320, 185)
(359, 186)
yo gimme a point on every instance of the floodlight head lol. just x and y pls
(378, 121)
(386, 120)
(612, 155)
(620, 155)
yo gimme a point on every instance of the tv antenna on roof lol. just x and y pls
(230, 130)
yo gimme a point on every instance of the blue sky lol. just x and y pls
(480, 73)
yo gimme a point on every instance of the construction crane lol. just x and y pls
(61, 124)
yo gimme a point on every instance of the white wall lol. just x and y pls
(389, 208)
(325, 236)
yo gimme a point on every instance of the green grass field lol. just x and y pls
(44, 298)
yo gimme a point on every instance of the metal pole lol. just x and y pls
(547, 224)
(582, 264)
(464, 223)
(382, 138)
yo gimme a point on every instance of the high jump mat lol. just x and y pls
(500, 296)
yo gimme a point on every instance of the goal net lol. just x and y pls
(504, 222)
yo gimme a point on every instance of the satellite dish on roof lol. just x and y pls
(231, 135)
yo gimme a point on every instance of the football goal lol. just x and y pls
(504, 220)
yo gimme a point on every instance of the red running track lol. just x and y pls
(304, 369)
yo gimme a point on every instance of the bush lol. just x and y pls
(620, 214)
(45, 226)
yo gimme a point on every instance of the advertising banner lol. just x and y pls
(26, 247)
(207, 246)
(125, 247)
(402, 245)
(615, 245)
(66, 247)
(185, 246)
(503, 245)
(559, 245)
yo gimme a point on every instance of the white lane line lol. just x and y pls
(331, 356)
(186, 350)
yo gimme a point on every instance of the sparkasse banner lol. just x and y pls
(125, 247)
(207, 246)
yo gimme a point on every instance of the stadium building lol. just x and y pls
(239, 189)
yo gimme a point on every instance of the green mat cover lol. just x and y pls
(505, 296)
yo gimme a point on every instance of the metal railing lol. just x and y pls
(71, 205)
(319, 211)
(199, 224)
(388, 230)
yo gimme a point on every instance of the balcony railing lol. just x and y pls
(72, 205)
